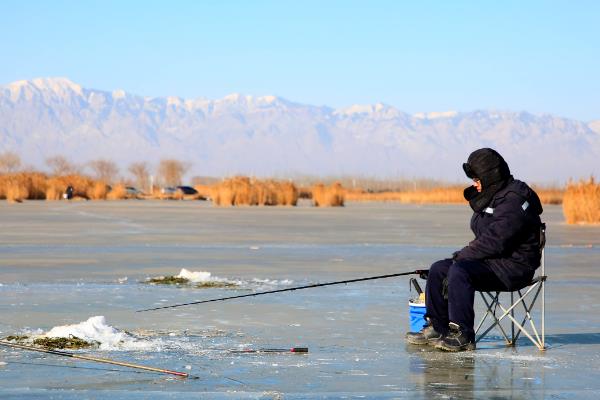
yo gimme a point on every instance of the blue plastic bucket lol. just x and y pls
(416, 312)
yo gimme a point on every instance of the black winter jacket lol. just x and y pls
(507, 235)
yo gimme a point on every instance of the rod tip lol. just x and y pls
(299, 349)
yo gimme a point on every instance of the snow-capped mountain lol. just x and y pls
(269, 135)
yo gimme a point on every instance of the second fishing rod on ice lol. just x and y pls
(421, 272)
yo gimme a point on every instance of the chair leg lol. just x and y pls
(543, 305)
(524, 330)
(538, 343)
(491, 306)
(494, 302)
(480, 324)
(512, 312)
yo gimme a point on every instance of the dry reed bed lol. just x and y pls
(550, 195)
(581, 203)
(244, 191)
(37, 186)
(581, 200)
(444, 195)
(449, 194)
(204, 191)
(333, 195)
(22, 185)
(83, 188)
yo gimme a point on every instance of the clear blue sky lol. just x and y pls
(540, 56)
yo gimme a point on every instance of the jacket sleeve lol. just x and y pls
(509, 219)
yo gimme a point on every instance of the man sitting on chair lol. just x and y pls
(502, 257)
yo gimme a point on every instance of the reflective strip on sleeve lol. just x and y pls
(525, 205)
(489, 210)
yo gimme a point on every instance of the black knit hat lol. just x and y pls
(488, 166)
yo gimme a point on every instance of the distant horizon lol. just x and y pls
(270, 137)
(537, 56)
(418, 114)
(418, 182)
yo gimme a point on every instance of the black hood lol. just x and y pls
(489, 167)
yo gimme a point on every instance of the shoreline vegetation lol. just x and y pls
(53, 343)
(243, 190)
(580, 200)
(179, 281)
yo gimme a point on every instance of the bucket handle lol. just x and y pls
(413, 282)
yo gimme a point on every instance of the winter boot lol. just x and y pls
(427, 335)
(455, 340)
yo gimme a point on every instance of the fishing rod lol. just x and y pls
(94, 359)
(421, 272)
(296, 350)
(37, 364)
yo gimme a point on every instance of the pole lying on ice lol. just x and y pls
(417, 272)
(296, 350)
(94, 359)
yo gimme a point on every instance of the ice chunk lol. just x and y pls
(201, 277)
(96, 329)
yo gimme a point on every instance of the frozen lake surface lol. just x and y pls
(63, 263)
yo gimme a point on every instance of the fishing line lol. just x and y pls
(221, 376)
(417, 272)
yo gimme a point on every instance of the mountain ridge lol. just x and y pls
(270, 135)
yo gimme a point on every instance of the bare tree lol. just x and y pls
(171, 171)
(9, 162)
(141, 173)
(104, 170)
(59, 165)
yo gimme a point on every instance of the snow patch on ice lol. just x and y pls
(201, 277)
(205, 276)
(96, 329)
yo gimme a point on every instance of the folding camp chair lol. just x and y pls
(527, 297)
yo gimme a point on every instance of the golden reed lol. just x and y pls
(244, 191)
(449, 194)
(21, 186)
(443, 194)
(37, 186)
(83, 187)
(328, 196)
(581, 202)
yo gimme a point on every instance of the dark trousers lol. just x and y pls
(464, 278)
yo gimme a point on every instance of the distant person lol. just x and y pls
(502, 257)
(68, 195)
